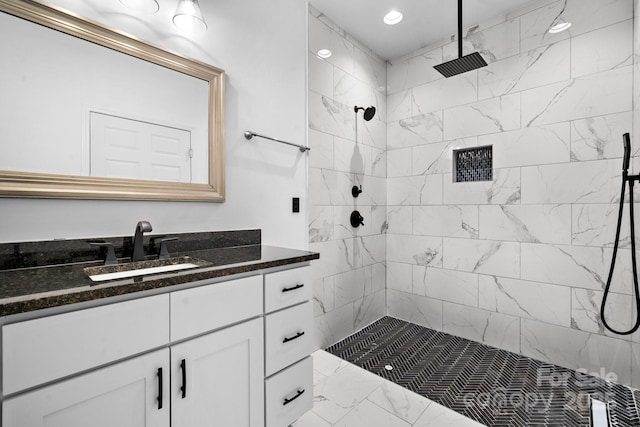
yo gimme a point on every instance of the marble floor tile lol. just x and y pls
(326, 363)
(437, 415)
(348, 396)
(311, 419)
(367, 414)
(401, 402)
(343, 391)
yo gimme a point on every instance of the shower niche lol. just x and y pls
(473, 164)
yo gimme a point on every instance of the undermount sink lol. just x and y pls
(142, 268)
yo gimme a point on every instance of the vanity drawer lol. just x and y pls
(288, 336)
(286, 288)
(42, 350)
(205, 308)
(289, 394)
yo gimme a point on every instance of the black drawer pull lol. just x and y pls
(298, 335)
(298, 394)
(293, 288)
(159, 388)
(183, 368)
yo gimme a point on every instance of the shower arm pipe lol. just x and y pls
(248, 134)
(459, 28)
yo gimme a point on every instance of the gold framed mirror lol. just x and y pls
(31, 182)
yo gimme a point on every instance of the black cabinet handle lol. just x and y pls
(301, 285)
(159, 388)
(298, 335)
(183, 368)
(298, 394)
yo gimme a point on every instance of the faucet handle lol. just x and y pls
(111, 254)
(164, 252)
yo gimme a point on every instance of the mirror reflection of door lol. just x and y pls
(50, 84)
(133, 149)
(57, 68)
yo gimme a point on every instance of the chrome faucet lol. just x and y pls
(138, 247)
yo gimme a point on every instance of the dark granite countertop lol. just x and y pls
(28, 289)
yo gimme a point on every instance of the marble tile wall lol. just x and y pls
(635, 346)
(520, 262)
(350, 277)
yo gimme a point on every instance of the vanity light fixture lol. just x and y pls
(559, 25)
(188, 17)
(393, 17)
(142, 6)
(324, 53)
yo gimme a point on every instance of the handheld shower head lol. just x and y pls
(627, 152)
(368, 112)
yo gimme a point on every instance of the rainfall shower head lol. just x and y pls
(464, 63)
(461, 65)
(368, 112)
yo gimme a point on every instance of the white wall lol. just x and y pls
(519, 262)
(262, 47)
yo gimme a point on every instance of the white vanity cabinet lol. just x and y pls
(217, 379)
(185, 358)
(288, 345)
(133, 393)
(46, 349)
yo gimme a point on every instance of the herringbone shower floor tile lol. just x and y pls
(492, 386)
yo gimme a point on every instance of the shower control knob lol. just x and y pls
(355, 191)
(356, 219)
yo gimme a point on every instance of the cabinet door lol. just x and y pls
(126, 394)
(218, 379)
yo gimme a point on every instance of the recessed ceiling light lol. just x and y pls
(559, 26)
(393, 17)
(324, 53)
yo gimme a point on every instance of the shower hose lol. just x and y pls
(631, 178)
